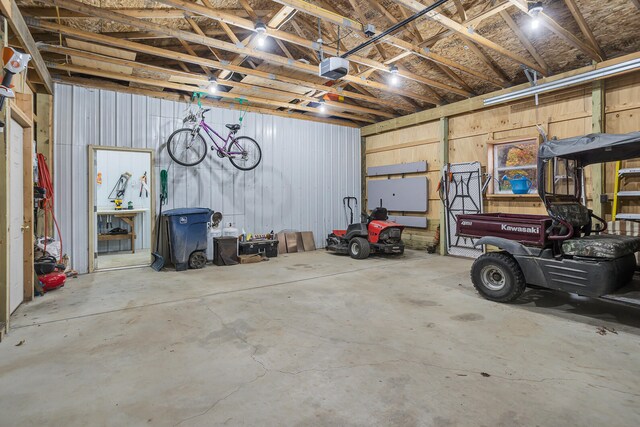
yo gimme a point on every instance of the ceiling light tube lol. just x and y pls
(611, 70)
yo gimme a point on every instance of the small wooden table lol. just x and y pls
(129, 217)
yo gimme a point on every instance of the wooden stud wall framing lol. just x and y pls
(469, 134)
(19, 109)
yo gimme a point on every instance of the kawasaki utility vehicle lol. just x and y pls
(568, 249)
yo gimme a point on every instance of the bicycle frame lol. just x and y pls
(230, 137)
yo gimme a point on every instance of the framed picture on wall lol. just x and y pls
(513, 165)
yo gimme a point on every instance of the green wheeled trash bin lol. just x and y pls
(188, 236)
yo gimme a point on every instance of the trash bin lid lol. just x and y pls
(187, 211)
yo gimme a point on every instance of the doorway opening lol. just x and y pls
(121, 207)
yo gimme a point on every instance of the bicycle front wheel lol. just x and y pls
(187, 147)
(244, 153)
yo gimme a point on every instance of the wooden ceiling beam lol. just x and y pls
(495, 68)
(448, 71)
(558, 30)
(298, 29)
(18, 26)
(391, 40)
(143, 13)
(491, 11)
(196, 28)
(172, 96)
(464, 32)
(524, 40)
(246, 6)
(190, 89)
(179, 56)
(460, 10)
(213, 14)
(383, 54)
(584, 27)
(417, 38)
(230, 47)
(249, 41)
(383, 10)
(409, 48)
(199, 79)
(282, 17)
(192, 52)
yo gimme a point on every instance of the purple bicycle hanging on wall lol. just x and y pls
(187, 146)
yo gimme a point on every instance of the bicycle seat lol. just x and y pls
(204, 110)
(233, 127)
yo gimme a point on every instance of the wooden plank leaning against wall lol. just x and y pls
(563, 114)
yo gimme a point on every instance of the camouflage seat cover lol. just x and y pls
(602, 246)
(574, 213)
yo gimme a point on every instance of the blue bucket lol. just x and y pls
(519, 184)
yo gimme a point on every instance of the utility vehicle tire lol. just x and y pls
(498, 277)
(359, 248)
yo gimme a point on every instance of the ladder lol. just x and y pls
(618, 194)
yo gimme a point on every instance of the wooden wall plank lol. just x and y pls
(563, 114)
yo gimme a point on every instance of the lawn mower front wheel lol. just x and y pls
(359, 248)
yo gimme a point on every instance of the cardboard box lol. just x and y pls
(250, 259)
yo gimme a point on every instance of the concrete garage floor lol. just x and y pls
(316, 339)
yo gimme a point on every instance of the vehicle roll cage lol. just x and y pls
(574, 154)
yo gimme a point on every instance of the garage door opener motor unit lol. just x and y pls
(337, 67)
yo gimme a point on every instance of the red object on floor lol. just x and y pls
(52, 281)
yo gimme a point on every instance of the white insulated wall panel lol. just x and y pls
(306, 169)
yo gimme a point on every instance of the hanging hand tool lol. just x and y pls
(120, 188)
(143, 185)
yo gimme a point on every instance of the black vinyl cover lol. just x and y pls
(593, 148)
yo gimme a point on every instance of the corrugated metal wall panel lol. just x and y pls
(306, 170)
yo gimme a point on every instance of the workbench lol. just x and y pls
(128, 216)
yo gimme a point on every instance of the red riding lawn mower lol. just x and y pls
(374, 234)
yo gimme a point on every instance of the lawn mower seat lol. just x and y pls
(607, 246)
(379, 214)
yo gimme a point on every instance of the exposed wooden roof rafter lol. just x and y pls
(173, 96)
(558, 30)
(178, 56)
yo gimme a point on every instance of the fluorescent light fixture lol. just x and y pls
(589, 76)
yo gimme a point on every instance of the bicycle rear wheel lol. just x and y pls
(187, 147)
(244, 153)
